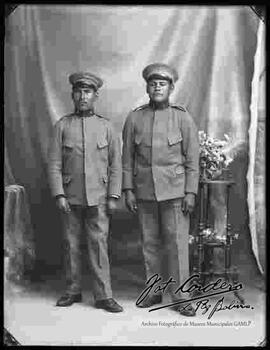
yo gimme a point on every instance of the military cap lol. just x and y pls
(85, 78)
(160, 70)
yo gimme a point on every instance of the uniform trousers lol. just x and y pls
(92, 221)
(165, 241)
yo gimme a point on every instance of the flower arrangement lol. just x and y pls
(214, 155)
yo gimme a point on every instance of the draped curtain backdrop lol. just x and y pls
(212, 48)
(256, 169)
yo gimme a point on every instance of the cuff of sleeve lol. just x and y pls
(60, 195)
(114, 196)
(191, 183)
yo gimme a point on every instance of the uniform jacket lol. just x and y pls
(85, 160)
(160, 153)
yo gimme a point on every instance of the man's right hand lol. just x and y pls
(63, 205)
(131, 201)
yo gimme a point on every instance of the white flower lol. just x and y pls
(228, 161)
(215, 154)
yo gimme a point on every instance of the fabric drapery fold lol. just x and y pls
(19, 244)
(256, 170)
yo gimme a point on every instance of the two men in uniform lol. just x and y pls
(160, 179)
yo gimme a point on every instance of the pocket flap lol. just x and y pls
(105, 178)
(179, 170)
(174, 139)
(66, 179)
(102, 143)
(68, 146)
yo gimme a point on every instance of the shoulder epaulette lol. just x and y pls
(181, 108)
(140, 107)
(66, 116)
(101, 116)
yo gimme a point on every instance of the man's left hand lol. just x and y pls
(112, 205)
(188, 203)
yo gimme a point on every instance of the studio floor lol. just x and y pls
(31, 316)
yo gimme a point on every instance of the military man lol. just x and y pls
(85, 172)
(160, 179)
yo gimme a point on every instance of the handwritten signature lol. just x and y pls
(217, 287)
(205, 306)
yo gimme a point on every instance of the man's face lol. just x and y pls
(159, 90)
(84, 97)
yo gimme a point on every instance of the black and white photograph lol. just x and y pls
(134, 175)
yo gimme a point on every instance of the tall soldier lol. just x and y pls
(85, 172)
(160, 179)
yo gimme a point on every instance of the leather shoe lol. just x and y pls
(69, 299)
(186, 310)
(109, 305)
(150, 301)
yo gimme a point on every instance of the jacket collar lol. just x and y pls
(86, 114)
(162, 105)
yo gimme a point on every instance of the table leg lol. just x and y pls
(207, 199)
(228, 236)
(234, 279)
(231, 276)
(201, 228)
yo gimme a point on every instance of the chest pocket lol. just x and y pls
(143, 150)
(102, 153)
(175, 149)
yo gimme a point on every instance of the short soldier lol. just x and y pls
(160, 179)
(85, 174)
